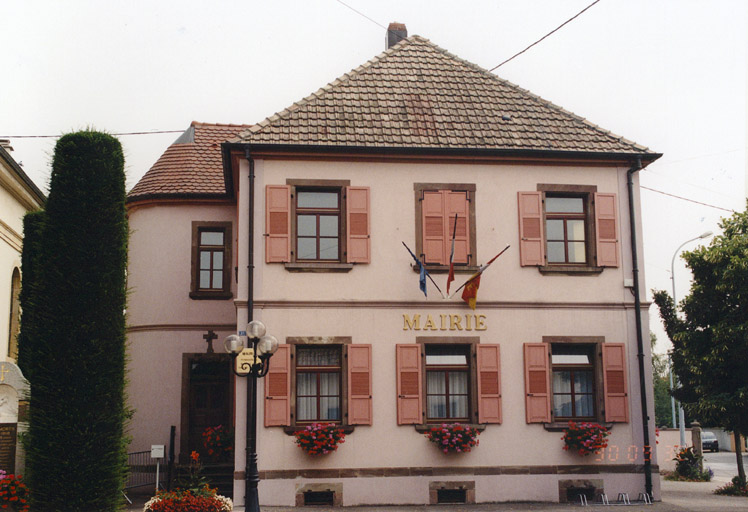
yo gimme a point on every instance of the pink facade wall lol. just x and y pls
(519, 304)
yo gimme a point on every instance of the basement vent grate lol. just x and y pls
(319, 498)
(451, 496)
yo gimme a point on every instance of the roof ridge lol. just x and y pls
(226, 125)
(257, 127)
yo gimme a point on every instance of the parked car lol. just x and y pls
(709, 442)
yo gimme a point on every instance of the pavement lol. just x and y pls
(676, 497)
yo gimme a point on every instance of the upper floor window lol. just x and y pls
(317, 225)
(211, 260)
(445, 211)
(568, 228)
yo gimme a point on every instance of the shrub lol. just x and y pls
(688, 467)
(454, 437)
(76, 442)
(734, 488)
(320, 438)
(585, 438)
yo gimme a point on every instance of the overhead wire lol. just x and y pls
(153, 132)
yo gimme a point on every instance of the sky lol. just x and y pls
(667, 74)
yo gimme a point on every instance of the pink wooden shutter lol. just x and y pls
(278, 389)
(277, 223)
(606, 230)
(537, 383)
(432, 210)
(359, 385)
(489, 383)
(614, 377)
(531, 243)
(409, 401)
(457, 203)
(357, 226)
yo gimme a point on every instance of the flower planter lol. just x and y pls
(454, 437)
(585, 438)
(320, 438)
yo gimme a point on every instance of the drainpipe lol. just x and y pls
(636, 167)
(251, 473)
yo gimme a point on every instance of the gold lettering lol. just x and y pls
(468, 317)
(479, 325)
(429, 325)
(454, 323)
(444, 322)
(412, 324)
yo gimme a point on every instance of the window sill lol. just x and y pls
(319, 267)
(347, 429)
(428, 426)
(560, 426)
(570, 270)
(205, 295)
(444, 269)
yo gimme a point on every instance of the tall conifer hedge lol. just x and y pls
(76, 448)
(33, 225)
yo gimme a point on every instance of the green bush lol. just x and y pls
(76, 444)
(688, 467)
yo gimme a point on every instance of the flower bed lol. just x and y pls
(454, 437)
(688, 467)
(585, 438)
(320, 438)
(187, 500)
(14, 494)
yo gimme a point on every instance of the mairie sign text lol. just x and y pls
(467, 322)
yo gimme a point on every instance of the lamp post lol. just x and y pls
(253, 362)
(681, 415)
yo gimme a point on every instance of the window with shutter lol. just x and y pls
(445, 211)
(568, 228)
(317, 225)
(211, 260)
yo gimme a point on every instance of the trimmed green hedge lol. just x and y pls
(76, 446)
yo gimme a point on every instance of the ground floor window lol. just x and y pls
(318, 383)
(447, 383)
(573, 381)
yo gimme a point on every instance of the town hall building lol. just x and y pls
(415, 147)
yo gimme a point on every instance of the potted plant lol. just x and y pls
(320, 438)
(585, 438)
(454, 437)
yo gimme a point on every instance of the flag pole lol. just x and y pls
(424, 266)
(480, 272)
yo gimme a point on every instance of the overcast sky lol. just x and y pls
(668, 74)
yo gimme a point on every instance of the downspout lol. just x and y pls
(636, 167)
(251, 474)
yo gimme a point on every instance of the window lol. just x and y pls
(565, 228)
(318, 394)
(313, 379)
(455, 379)
(15, 314)
(317, 225)
(211, 260)
(447, 383)
(314, 225)
(575, 378)
(573, 381)
(444, 211)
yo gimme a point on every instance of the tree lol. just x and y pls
(76, 448)
(661, 382)
(710, 344)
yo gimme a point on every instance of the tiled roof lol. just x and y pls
(417, 95)
(191, 166)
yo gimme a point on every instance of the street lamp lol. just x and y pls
(681, 415)
(253, 362)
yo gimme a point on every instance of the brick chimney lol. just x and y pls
(396, 32)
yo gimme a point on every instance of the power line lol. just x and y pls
(362, 14)
(686, 199)
(58, 136)
(545, 36)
